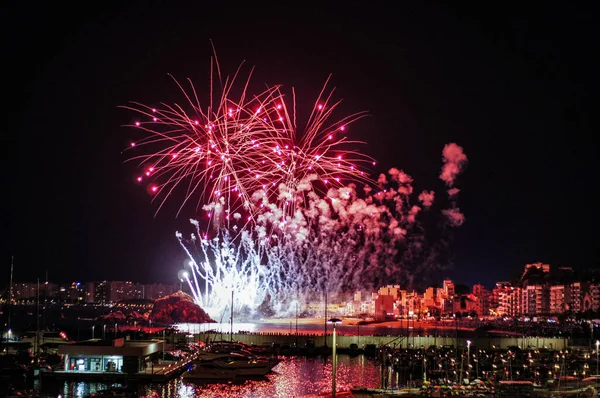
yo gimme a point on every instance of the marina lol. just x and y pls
(204, 359)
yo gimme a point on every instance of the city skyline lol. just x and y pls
(508, 86)
(539, 273)
(540, 292)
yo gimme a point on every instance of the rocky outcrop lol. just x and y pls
(178, 307)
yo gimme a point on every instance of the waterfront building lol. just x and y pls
(448, 287)
(101, 290)
(358, 296)
(465, 304)
(483, 300)
(575, 303)
(76, 293)
(390, 290)
(557, 299)
(413, 304)
(445, 297)
(496, 293)
(384, 307)
(594, 291)
(110, 356)
(509, 301)
(536, 300)
(429, 297)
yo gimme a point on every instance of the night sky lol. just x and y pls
(512, 86)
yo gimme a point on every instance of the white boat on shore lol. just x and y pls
(227, 366)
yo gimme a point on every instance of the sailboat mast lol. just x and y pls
(45, 301)
(231, 320)
(10, 289)
(325, 335)
(37, 320)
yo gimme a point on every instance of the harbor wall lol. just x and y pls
(395, 341)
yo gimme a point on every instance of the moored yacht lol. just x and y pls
(246, 350)
(227, 366)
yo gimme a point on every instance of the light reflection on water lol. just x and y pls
(293, 377)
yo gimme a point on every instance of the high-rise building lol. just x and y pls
(565, 298)
(448, 287)
(74, 293)
(509, 301)
(390, 290)
(429, 298)
(558, 303)
(495, 296)
(591, 297)
(413, 303)
(575, 299)
(101, 292)
(483, 300)
(124, 290)
(536, 300)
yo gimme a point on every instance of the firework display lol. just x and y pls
(285, 215)
(219, 156)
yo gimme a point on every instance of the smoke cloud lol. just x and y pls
(454, 216)
(453, 192)
(454, 161)
(426, 198)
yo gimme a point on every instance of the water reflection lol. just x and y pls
(80, 389)
(293, 377)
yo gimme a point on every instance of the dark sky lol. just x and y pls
(513, 86)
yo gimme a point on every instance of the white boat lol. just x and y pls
(227, 366)
(240, 348)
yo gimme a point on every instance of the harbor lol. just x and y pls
(396, 367)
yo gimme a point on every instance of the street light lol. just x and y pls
(104, 332)
(93, 327)
(334, 321)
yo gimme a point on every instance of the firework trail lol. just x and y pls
(238, 145)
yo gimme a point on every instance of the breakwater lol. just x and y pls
(301, 340)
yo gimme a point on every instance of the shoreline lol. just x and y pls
(396, 324)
